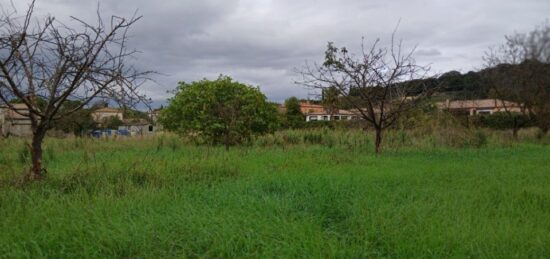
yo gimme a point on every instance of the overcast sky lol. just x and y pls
(261, 42)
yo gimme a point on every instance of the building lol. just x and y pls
(317, 112)
(478, 107)
(138, 127)
(154, 115)
(102, 114)
(335, 116)
(310, 108)
(15, 122)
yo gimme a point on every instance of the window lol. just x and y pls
(325, 118)
(312, 118)
(484, 112)
(336, 118)
(344, 117)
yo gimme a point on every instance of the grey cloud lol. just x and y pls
(428, 52)
(261, 42)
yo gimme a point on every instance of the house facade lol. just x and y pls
(102, 114)
(479, 107)
(335, 116)
(317, 112)
(15, 122)
(154, 115)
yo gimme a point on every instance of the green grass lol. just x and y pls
(160, 198)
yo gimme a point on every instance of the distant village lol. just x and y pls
(14, 121)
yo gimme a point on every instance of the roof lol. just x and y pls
(477, 104)
(308, 108)
(338, 113)
(107, 110)
(15, 113)
(16, 106)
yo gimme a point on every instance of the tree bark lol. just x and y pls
(544, 131)
(226, 139)
(515, 132)
(515, 129)
(378, 140)
(37, 172)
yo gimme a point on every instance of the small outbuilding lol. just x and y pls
(15, 121)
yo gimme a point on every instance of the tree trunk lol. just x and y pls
(515, 129)
(37, 172)
(543, 131)
(378, 140)
(226, 140)
(515, 132)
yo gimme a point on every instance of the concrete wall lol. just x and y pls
(13, 124)
(330, 117)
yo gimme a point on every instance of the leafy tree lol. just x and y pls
(134, 115)
(221, 111)
(100, 104)
(112, 122)
(502, 121)
(330, 99)
(40, 102)
(76, 122)
(451, 81)
(293, 115)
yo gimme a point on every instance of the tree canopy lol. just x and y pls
(221, 111)
(293, 117)
(519, 70)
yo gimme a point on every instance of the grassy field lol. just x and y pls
(161, 198)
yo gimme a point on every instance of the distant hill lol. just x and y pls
(457, 86)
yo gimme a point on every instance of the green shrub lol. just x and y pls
(479, 139)
(502, 120)
(319, 124)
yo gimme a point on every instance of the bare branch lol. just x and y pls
(380, 84)
(49, 63)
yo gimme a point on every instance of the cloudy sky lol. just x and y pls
(262, 42)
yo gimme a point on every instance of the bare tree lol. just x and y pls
(45, 63)
(519, 71)
(380, 84)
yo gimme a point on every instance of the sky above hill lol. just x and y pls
(263, 42)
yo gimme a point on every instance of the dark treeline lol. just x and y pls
(452, 85)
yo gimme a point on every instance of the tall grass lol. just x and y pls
(314, 193)
(450, 137)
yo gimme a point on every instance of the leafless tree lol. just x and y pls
(519, 71)
(44, 63)
(380, 84)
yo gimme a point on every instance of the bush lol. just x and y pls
(479, 139)
(502, 121)
(319, 124)
(219, 112)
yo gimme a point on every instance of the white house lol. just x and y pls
(336, 116)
